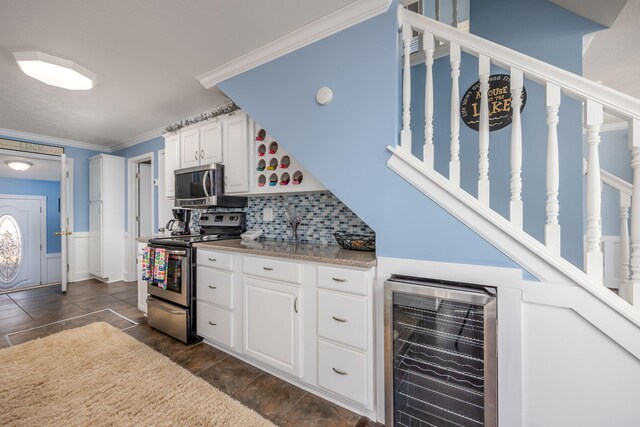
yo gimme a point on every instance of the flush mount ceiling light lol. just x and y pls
(18, 165)
(55, 71)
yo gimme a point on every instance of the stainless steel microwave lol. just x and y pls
(203, 187)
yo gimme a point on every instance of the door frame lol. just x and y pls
(132, 195)
(43, 232)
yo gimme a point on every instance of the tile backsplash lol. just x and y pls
(322, 215)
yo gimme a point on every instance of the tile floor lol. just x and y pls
(85, 302)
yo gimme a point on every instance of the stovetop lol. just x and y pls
(189, 240)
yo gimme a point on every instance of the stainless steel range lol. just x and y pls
(171, 303)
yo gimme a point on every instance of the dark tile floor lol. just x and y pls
(85, 302)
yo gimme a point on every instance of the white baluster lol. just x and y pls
(552, 227)
(625, 204)
(594, 262)
(634, 281)
(428, 153)
(483, 164)
(515, 206)
(405, 134)
(454, 162)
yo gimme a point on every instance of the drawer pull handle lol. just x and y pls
(337, 319)
(267, 268)
(213, 287)
(212, 259)
(212, 324)
(339, 372)
(335, 279)
(295, 305)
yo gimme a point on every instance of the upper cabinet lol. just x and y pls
(95, 179)
(201, 145)
(236, 153)
(255, 163)
(172, 162)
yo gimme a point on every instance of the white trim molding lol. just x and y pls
(45, 139)
(143, 137)
(348, 16)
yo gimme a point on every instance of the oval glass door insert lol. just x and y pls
(10, 248)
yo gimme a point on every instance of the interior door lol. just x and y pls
(64, 223)
(21, 244)
(145, 203)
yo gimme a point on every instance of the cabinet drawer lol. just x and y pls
(343, 279)
(343, 318)
(223, 261)
(270, 268)
(343, 372)
(215, 287)
(214, 323)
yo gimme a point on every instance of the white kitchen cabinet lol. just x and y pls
(272, 324)
(211, 143)
(106, 219)
(236, 153)
(172, 162)
(190, 148)
(142, 284)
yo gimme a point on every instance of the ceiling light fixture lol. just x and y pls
(55, 71)
(19, 165)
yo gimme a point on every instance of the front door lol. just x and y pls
(20, 242)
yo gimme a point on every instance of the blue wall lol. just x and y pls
(150, 146)
(344, 144)
(34, 187)
(549, 33)
(80, 158)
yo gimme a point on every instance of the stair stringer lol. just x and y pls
(523, 249)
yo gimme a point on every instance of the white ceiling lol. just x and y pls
(613, 56)
(146, 54)
(48, 170)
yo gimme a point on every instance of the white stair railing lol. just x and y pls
(596, 99)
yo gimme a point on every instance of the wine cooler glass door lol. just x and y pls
(437, 358)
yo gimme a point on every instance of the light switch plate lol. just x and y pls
(267, 214)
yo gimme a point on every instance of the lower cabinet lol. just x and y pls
(272, 324)
(343, 371)
(215, 323)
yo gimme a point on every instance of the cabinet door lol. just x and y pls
(211, 143)
(142, 284)
(236, 153)
(95, 179)
(190, 148)
(172, 162)
(272, 324)
(95, 239)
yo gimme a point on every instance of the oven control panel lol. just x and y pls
(227, 219)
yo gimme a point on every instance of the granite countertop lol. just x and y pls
(314, 252)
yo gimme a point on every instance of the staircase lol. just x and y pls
(541, 259)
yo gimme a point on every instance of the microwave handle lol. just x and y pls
(204, 183)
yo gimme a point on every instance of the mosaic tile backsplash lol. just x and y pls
(322, 215)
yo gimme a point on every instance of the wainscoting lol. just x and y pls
(52, 268)
(79, 256)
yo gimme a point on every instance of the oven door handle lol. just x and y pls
(204, 183)
(176, 252)
(161, 307)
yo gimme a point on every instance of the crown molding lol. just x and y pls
(9, 133)
(143, 137)
(335, 22)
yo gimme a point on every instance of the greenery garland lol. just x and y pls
(223, 109)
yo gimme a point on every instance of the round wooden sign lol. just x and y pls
(499, 103)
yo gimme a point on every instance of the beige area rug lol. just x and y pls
(98, 375)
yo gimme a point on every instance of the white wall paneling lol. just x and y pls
(52, 268)
(79, 256)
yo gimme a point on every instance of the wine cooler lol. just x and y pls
(440, 353)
